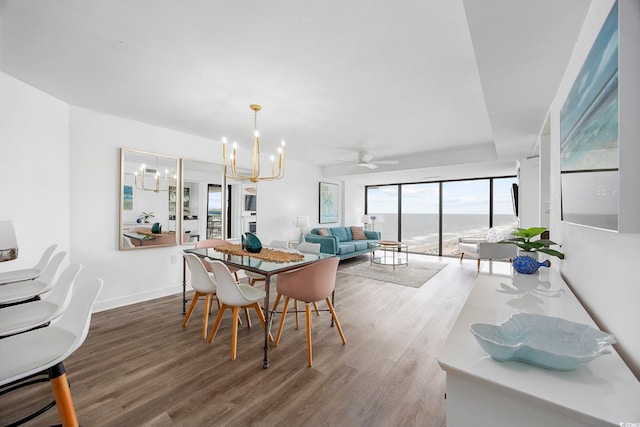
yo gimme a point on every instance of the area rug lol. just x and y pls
(414, 275)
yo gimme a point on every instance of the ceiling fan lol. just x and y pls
(366, 161)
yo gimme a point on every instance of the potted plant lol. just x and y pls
(522, 239)
(146, 216)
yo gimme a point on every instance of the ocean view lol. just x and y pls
(420, 231)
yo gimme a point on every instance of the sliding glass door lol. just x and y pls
(420, 224)
(431, 217)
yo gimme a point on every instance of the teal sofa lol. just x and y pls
(340, 241)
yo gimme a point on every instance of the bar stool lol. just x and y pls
(42, 352)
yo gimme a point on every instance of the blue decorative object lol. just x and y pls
(251, 243)
(526, 265)
(139, 220)
(545, 341)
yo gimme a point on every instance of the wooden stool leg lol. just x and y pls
(234, 333)
(307, 312)
(62, 396)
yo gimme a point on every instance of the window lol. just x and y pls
(430, 217)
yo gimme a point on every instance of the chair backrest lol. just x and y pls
(201, 281)
(76, 319)
(60, 295)
(46, 256)
(309, 248)
(211, 243)
(68, 331)
(127, 243)
(51, 271)
(228, 290)
(310, 283)
(278, 244)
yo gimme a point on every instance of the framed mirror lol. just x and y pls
(149, 199)
(202, 201)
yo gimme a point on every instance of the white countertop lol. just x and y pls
(603, 389)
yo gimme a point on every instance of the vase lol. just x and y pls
(251, 243)
(527, 265)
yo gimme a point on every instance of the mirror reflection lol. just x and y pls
(203, 216)
(148, 199)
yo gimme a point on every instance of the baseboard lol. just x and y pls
(135, 298)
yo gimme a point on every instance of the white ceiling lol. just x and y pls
(427, 82)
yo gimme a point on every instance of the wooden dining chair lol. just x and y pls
(309, 284)
(234, 296)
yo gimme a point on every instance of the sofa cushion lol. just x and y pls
(323, 232)
(360, 245)
(358, 233)
(340, 233)
(497, 234)
(345, 248)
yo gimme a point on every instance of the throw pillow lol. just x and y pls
(323, 232)
(358, 233)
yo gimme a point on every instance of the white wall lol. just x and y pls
(281, 201)
(601, 266)
(529, 193)
(131, 276)
(34, 170)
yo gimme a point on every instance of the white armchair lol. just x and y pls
(488, 248)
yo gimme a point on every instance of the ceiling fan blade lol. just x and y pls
(369, 165)
(366, 157)
(386, 162)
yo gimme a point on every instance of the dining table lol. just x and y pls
(249, 262)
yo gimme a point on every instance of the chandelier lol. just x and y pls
(170, 178)
(276, 173)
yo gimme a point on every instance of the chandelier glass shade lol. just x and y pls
(230, 170)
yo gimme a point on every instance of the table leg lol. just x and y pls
(184, 285)
(268, 315)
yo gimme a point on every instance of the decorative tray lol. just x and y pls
(544, 341)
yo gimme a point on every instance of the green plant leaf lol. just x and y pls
(552, 252)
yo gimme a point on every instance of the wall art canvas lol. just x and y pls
(589, 135)
(328, 203)
(127, 202)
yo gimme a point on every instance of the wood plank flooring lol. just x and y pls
(139, 367)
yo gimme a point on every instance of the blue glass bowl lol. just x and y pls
(544, 341)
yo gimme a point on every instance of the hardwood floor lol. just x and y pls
(139, 367)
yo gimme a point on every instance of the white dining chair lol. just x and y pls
(22, 317)
(28, 273)
(28, 289)
(204, 285)
(234, 296)
(42, 351)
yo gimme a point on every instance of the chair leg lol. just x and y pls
(216, 325)
(62, 396)
(234, 333)
(284, 315)
(246, 314)
(260, 314)
(461, 256)
(315, 306)
(295, 305)
(478, 264)
(335, 319)
(205, 316)
(307, 313)
(187, 316)
(276, 302)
